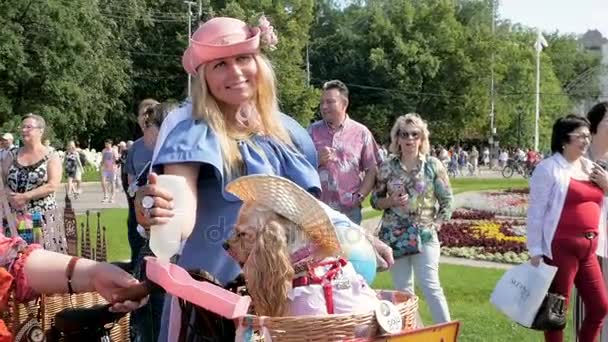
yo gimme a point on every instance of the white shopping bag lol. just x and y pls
(521, 291)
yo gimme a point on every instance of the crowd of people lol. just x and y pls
(232, 127)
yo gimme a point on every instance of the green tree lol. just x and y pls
(436, 57)
(291, 19)
(58, 60)
(577, 70)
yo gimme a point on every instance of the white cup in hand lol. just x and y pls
(165, 239)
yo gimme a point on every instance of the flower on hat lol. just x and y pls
(267, 35)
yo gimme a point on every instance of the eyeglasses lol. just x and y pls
(581, 136)
(406, 134)
(29, 127)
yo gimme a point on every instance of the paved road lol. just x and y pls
(487, 173)
(91, 198)
(92, 195)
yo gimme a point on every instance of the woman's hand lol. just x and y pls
(18, 200)
(162, 209)
(398, 200)
(108, 279)
(384, 255)
(600, 177)
(324, 155)
(437, 224)
(535, 260)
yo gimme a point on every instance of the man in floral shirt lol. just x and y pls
(348, 153)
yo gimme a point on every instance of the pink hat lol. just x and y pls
(219, 38)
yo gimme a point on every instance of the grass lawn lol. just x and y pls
(115, 221)
(467, 289)
(475, 184)
(89, 175)
(462, 185)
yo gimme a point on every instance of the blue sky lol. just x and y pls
(566, 16)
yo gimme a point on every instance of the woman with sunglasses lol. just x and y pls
(566, 223)
(408, 186)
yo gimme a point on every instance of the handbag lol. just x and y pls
(403, 241)
(522, 290)
(552, 313)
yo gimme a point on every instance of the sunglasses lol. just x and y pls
(406, 134)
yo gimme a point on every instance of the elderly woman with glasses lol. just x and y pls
(33, 173)
(409, 184)
(566, 223)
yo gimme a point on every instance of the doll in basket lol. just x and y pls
(294, 259)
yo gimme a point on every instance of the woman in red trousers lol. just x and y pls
(565, 220)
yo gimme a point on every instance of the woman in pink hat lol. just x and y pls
(232, 127)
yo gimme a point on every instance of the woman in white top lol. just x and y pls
(503, 158)
(566, 222)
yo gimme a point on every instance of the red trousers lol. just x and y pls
(578, 265)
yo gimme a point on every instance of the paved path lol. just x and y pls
(487, 173)
(91, 198)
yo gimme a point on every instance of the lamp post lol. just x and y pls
(538, 46)
(520, 112)
(189, 4)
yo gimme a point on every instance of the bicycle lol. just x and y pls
(516, 166)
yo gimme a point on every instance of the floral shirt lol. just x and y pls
(426, 186)
(354, 152)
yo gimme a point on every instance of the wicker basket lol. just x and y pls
(51, 305)
(335, 327)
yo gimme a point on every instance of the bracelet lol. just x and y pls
(69, 272)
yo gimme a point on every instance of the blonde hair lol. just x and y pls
(70, 145)
(39, 120)
(269, 254)
(204, 106)
(416, 121)
(145, 105)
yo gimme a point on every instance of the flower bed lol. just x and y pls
(479, 234)
(465, 214)
(512, 203)
(492, 240)
(477, 253)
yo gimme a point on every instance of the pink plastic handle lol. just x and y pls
(176, 281)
